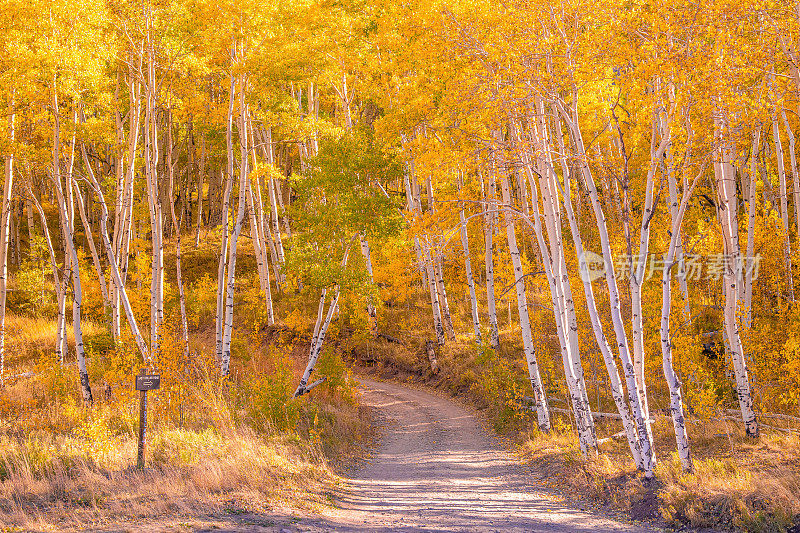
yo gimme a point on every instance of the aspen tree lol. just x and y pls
(569, 114)
(488, 230)
(751, 223)
(170, 162)
(732, 272)
(673, 382)
(784, 204)
(223, 254)
(320, 330)
(244, 171)
(476, 322)
(5, 214)
(539, 395)
(77, 296)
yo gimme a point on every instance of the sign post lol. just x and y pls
(144, 383)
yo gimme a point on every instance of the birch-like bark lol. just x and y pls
(434, 294)
(320, 330)
(411, 207)
(447, 318)
(151, 151)
(123, 223)
(90, 238)
(795, 175)
(476, 321)
(488, 231)
(177, 228)
(223, 253)
(570, 117)
(554, 265)
(673, 382)
(727, 208)
(275, 241)
(539, 395)
(371, 311)
(441, 292)
(201, 174)
(261, 254)
(244, 173)
(657, 152)
(64, 209)
(776, 137)
(751, 225)
(116, 277)
(5, 214)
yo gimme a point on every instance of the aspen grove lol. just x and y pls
(608, 193)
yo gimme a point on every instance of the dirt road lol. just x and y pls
(437, 469)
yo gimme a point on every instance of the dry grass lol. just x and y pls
(61, 483)
(27, 338)
(738, 483)
(229, 449)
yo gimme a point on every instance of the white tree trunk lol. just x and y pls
(95, 258)
(488, 231)
(539, 395)
(261, 254)
(571, 118)
(371, 311)
(795, 176)
(5, 214)
(751, 224)
(555, 267)
(476, 322)
(170, 161)
(447, 318)
(732, 273)
(320, 330)
(434, 294)
(223, 253)
(657, 152)
(244, 173)
(65, 210)
(776, 137)
(116, 277)
(673, 382)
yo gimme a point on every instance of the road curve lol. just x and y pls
(437, 469)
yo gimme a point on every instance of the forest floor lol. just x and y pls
(435, 467)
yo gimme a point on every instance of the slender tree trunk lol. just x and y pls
(555, 268)
(201, 174)
(444, 306)
(116, 277)
(673, 382)
(476, 322)
(571, 118)
(65, 210)
(261, 254)
(5, 213)
(240, 216)
(751, 225)
(95, 258)
(732, 274)
(776, 136)
(488, 230)
(657, 152)
(223, 254)
(539, 395)
(320, 330)
(371, 311)
(795, 176)
(177, 227)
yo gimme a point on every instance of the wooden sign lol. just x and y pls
(148, 382)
